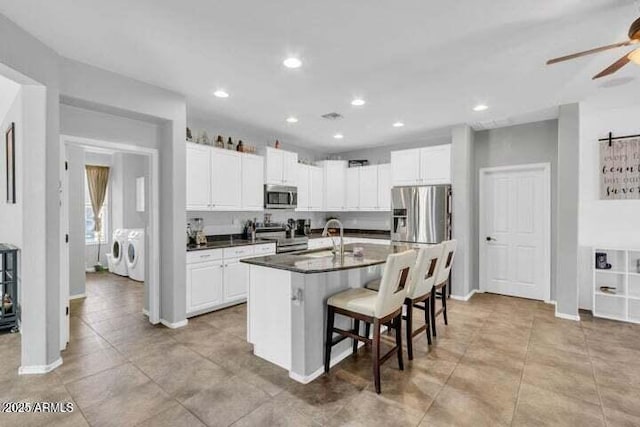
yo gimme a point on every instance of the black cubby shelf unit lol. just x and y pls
(9, 309)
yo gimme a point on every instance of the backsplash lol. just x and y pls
(233, 222)
(364, 220)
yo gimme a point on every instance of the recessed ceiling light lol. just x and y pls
(398, 124)
(358, 102)
(292, 119)
(221, 93)
(292, 62)
(480, 107)
(338, 136)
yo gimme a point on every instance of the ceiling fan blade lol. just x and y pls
(590, 52)
(613, 67)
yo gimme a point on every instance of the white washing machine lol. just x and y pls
(116, 259)
(135, 254)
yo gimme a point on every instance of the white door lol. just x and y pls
(226, 180)
(198, 177)
(405, 167)
(435, 164)
(252, 182)
(384, 187)
(236, 278)
(303, 188)
(316, 188)
(369, 188)
(274, 169)
(204, 285)
(290, 168)
(352, 200)
(515, 231)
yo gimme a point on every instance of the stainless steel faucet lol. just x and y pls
(325, 233)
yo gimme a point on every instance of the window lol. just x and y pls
(90, 236)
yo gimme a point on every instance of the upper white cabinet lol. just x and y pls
(310, 188)
(352, 199)
(368, 188)
(226, 180)
(335, 174)
(252, 182)
(198, 177)
(384, 187)
(281, 167)
(304, 188)
(223, 180)
(421, 166)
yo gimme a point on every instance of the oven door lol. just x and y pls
(280, 197)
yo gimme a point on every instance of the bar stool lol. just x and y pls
(440, 287)
(419, 295)
(377, 308)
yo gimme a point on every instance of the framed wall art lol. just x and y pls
(620, 168)
(10, 153)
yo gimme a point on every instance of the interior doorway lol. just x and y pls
(515, 230)
(119, 262)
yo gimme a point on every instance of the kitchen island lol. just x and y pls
(287, 298)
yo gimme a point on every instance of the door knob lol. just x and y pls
(489, 238)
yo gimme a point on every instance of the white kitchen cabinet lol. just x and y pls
(335, 174)
(304, 188)
(368, 188)
(384, 187)
(421, 166)
(352, 199)
(316, 188)
(435, 164)
(204, 285)
(198, 178)
(226, 180)
(236, 276)
(252, 183)
(281, 167)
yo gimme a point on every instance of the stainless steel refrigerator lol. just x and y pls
(421, 214)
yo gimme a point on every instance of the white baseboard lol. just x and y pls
(575, 317)
(466, 297)
(39, 369)
(77, 296)
(552, 302)
(145, 312)
(306, 379)
(175, 325)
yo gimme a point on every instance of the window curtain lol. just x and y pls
(97, 178)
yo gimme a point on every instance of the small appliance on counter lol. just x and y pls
(195, 232)
(303, 227)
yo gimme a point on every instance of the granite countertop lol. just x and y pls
(354, 232)
(226, 242)
(323, 261)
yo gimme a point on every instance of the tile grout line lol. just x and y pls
(455, 367)
(593, 372)
(524, 366)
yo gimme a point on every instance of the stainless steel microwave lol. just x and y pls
(280, 197)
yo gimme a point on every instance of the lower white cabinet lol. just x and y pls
(236, 276)
(216, 278)
(204, 285)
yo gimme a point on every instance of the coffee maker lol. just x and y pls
(303, 227)
(195, 231)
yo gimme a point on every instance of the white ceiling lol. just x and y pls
(424, 63)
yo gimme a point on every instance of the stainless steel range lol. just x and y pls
(278, 233)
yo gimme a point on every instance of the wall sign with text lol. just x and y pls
(620, 169)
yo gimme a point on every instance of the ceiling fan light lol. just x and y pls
(635, 56)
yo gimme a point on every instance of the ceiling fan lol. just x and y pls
(633, 56)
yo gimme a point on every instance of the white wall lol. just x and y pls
(11, 112)
(609, 223)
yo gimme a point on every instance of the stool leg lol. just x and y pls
(328, 339)
(444, 304)
(367, 329)
(356, 330)
(409, 328)
(398, 324)
(376, 354)
(433, 312)
(427, 322)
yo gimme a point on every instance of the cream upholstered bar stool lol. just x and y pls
(441, 282)
(377, 308)
(419, 295)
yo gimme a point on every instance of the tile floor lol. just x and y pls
(501, 361)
